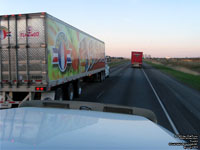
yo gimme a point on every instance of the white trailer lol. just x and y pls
(42, 57)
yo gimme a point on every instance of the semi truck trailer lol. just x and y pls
(42, 57)
(136, 59)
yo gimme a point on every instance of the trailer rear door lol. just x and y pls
(22, 49)
(136, 58)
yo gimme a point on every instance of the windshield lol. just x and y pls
(142, 54)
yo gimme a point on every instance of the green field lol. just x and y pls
(189, 79)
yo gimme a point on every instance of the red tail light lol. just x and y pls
(39, 88)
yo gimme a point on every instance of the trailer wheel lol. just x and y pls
(77, 89)
(59, 94)
(70, 92)
(97, 77)
(102, 76)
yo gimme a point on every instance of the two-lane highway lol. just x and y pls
(151, 89)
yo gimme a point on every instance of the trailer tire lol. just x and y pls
(70, 92)
(97, 77)
(102, 76)
(59, 94)
(77, 89)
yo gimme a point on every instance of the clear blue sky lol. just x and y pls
(157, 27)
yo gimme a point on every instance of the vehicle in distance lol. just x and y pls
(81, 125)
(136, 59)
(45, 58)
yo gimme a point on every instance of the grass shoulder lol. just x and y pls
(189, 79)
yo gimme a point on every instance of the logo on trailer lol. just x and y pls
(4, 33)
(29, 33)
(61, 54)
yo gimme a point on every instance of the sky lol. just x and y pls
(159, 28)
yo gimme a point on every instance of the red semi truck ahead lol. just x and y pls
(136, 59)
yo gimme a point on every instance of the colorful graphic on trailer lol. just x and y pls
(61, 54)
(3, 33)
(71, 52)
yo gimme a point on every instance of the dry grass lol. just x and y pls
(185, 64)
(115, 62)
(187, 78)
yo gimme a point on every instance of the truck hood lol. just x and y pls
(53, 128)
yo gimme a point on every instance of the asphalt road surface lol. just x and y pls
(176, 106)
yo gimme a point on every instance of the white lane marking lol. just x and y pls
(161, 104)
(101, 93)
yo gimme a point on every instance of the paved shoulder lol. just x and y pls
(181, 102)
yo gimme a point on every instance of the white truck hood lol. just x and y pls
(52, 128)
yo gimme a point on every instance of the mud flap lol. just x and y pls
(4, 104)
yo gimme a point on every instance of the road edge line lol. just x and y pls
(161, 104)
